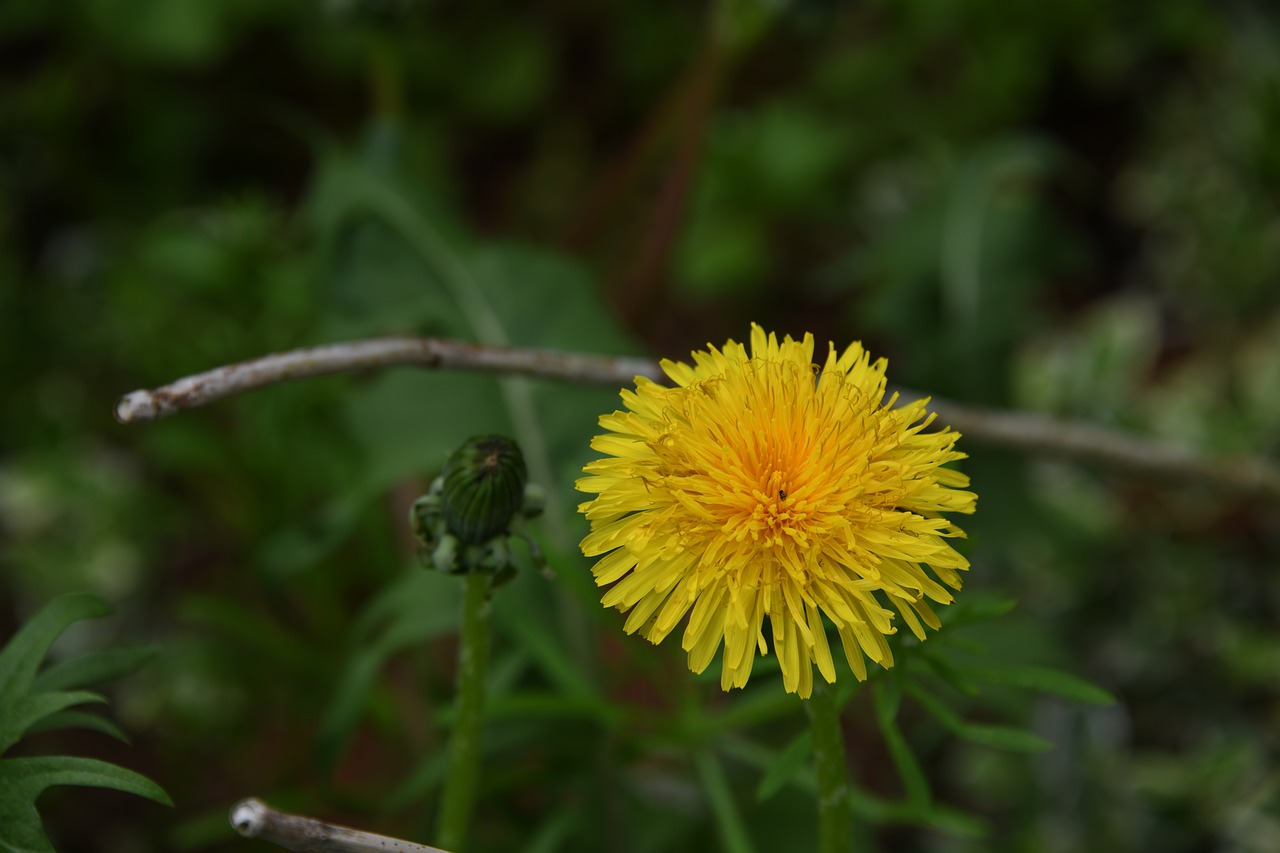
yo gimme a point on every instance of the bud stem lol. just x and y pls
(464, 749)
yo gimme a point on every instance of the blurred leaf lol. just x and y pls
(875, 810)
(794, 756)
(79, 720)
(534, 637)
(975, 609)
(1042, 679)
(732, 831)
(999, 737)
(888, 695)
(93, 668)
(948, 673)
(265, 639)
(554, 832)
(418, 607)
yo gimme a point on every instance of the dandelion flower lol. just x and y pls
(765, 485)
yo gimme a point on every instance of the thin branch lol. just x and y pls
(432, 353)
(1040, 434)
(1018, 430)
(253, 818)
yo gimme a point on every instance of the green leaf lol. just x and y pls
(524, 614)
(93, 668)
(997, 736)
(887, 697)
(948, 673)
(1044, 679)
(554, 833)
(28, 702)
(788, 763)
(868, 808)
(21, 656)
(418, 607)
(755, 705)
(875, 810)
(17, 718)
(79, 720)
(527, 705)
(972, 612)
(20, 707)
(953, 822)
(733, 832)
(23, 780)
(1008, 738)
(265, 639)
(497, 295)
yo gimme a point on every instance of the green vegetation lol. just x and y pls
(1067, 208)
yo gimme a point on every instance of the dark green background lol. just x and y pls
(1071, 207)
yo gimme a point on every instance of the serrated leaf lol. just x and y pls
(789, 762)
(1044, 679)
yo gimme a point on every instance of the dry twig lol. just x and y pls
(1018, 430)
(253, 818)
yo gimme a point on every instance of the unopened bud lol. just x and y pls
(484, 482)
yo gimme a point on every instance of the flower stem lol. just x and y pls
(464, 748)
(835, 821)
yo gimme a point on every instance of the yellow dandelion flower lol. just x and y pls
(763, 484)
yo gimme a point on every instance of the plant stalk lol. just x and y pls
(835, 820)
(464, 749)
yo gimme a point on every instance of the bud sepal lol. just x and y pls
(481, 499)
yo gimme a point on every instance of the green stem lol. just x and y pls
(464, 748)
(835, 820)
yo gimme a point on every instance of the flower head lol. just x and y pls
(763, 484)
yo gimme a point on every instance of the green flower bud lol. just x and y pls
(484, 483)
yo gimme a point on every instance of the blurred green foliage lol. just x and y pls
(35, 698)
(1070, 208)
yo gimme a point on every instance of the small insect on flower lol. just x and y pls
(762, 485)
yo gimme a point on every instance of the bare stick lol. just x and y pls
(1019, 430)
(1108, 447)
(253, 818)
(194, 391)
